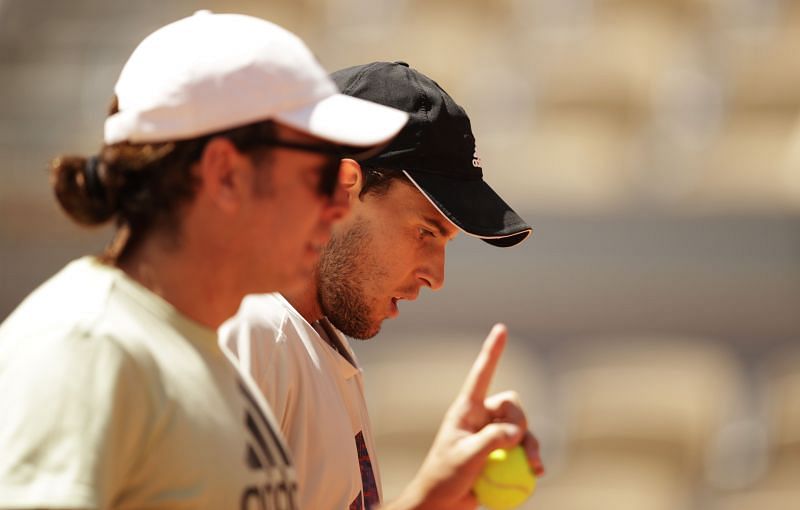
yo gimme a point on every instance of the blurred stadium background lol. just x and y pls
(653, 144)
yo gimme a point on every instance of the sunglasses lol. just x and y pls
(329, 173)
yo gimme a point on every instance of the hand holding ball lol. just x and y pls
(506, 480)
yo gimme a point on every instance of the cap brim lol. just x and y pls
(346, 120)
(474, 207)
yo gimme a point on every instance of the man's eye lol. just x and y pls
(424, 232)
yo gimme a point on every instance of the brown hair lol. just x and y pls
(140, 186)
(377, 181)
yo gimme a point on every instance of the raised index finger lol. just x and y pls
(480, 375)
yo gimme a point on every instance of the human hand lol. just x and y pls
(473, 426)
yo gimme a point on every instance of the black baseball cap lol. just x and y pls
(435, 149)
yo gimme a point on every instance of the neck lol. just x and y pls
(198, 285)
(305, 300)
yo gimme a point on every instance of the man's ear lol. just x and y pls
(351, 177)
(222, 173)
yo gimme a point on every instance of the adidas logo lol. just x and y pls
(476, 160)
(265, 453)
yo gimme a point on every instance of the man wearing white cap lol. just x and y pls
(219, 169)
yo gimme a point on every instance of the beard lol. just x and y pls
(345, 267)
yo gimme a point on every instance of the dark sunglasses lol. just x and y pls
(329, 174)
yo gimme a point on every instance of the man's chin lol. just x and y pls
(358, 333)
(349, 315)
(367, 336)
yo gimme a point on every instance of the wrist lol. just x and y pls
(412, 498)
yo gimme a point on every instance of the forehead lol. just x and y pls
(406, 200)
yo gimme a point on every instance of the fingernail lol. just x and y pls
(513, 432)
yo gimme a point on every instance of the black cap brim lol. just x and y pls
(474, 207)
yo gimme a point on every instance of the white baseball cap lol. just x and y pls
(210, 72)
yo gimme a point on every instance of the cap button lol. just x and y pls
(400, 62)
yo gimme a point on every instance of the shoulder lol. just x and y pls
(257, 311)
(263, 318)
(79, 361)
(270, 340)
(74, 298)
(64, 339)
(68, 324)
(258, 332)
(73, 380)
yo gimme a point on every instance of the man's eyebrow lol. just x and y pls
(438, 224)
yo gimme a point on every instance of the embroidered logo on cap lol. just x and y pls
(476, 160)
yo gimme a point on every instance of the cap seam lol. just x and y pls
(426, 106)
(358, 78)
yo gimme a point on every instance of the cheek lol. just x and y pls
(395, 267)
(389, 251)
(302, 213)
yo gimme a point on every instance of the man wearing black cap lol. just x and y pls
(406, 203)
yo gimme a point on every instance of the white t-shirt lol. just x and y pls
(110, 398)
(317, 396)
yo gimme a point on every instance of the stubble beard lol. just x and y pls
(344, 264)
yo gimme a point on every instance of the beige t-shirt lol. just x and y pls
(317, 396)
(110, 398)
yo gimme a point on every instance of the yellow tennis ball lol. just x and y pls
(506, 480)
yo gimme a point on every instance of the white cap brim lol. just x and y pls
(346, 120)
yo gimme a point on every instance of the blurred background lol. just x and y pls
(654, 145)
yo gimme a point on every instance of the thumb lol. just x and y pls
(491, 437)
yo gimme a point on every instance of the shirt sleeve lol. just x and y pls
(75, 421)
